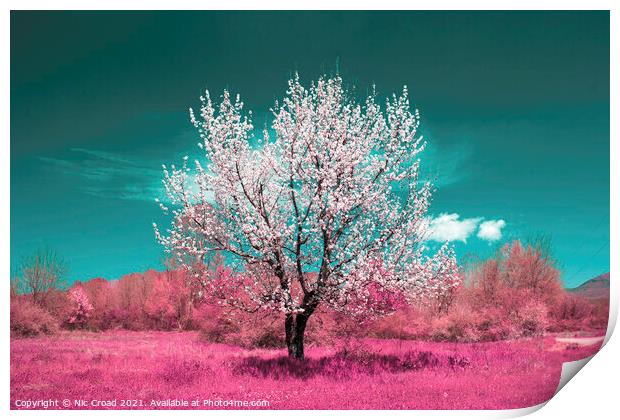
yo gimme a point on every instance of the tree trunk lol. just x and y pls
(295, 327)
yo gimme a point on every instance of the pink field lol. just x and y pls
(147, 369)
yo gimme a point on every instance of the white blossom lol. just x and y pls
(323, 205)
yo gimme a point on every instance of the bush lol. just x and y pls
(30, 320)
(260, 333)
(532, 319)
(459, 326)
(56, 303)
(599, 317)
(406, 324)
(214, 325)
(493, 325)
(269, 336)
(575, 313)
(222, 325)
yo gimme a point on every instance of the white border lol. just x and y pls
(593, 393)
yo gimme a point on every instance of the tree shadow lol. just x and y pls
(343, 365)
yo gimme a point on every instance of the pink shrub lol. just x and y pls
(533, 319)
(600, 313)
(492, 324)
(56, 303)
(29, 319)
(527, 268)
(226, 325)
(214, 326)
(575, 313)
(412, 322)
(458, 325)
(571, 308)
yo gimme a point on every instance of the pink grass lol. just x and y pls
(372, 374)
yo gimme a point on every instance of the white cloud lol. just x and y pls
(448, 227)
(491, 230)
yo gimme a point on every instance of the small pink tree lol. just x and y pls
(310, 208)
(80, 308)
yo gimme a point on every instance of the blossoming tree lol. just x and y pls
(80, 307)
(326, 208)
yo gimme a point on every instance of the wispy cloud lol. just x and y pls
(110, 175)
(446, 165)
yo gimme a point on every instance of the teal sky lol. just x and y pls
(515, 106)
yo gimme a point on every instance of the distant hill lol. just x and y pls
(596, 288)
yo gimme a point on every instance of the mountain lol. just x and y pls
(596, 288)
